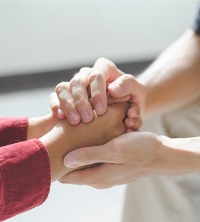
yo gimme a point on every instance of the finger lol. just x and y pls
(133, 111)
(88, 155)
(79, 85)
(66, 103)
(133, 124)
(100, 177)
(54, 105)
(81, 177)
(113, 100)
(128, 85)
(103, 72)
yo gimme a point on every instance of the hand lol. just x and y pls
(132, 156)
(64, 137)
(123, 160)
(91, 86)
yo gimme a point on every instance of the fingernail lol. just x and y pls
(73, 117)
(70, 161)
(60, 113)
(99, 109)
(134, 114)
(86, 117)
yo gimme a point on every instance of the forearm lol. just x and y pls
(179, 156)
(173, 79)
(39, 126)
(53, 141)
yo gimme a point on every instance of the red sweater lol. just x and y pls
(24, 169)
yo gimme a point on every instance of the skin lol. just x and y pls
(39, 126)
(64, 137)
(132, 156)
(172, 81)
(96, 88)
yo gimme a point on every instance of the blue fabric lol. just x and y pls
(196, 23)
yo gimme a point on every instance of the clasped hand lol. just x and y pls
(96, 88)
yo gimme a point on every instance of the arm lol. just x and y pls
(98, 87)
(132, 156)
(39, 126)
(66, 137)
(24, 169)
(173, 79)
(27, 168)
(17, 129)
(170, 82)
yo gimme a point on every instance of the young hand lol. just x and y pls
(39, 126)
(132, 156)
(64, 137)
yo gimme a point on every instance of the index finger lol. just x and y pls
(103, 73)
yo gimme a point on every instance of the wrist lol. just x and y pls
(182, 155)
(39, 126)
(57, 143)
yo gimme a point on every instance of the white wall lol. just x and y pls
(43, 35)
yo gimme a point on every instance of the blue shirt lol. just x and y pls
(196, 23)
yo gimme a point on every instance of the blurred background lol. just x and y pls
(45, 42)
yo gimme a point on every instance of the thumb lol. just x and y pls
(128, 85)
(86, 156)
(123, 86)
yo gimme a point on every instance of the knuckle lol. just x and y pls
(95, 77)
(106, 62)
(67, 107)
(60, 87)
(101, 60)
(127, 78)
(79, 102)
(96, 93)
(76, 81)
(84, 70)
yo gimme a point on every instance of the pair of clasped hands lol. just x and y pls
(98, 112)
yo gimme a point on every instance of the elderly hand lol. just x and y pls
(97, 87)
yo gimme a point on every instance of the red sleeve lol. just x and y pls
(13, 130)
(24, 169)
(24, 177)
